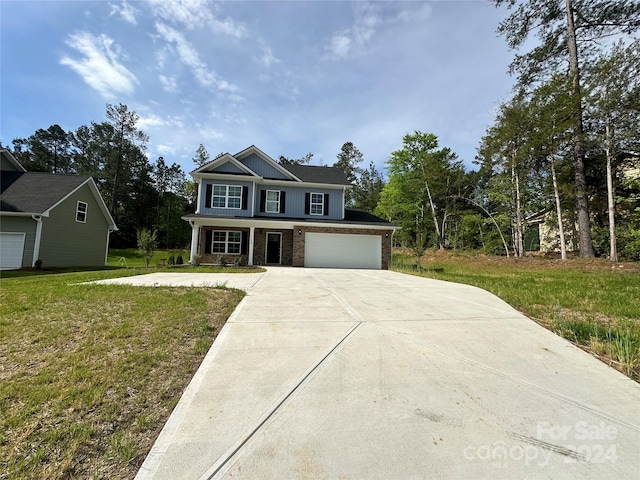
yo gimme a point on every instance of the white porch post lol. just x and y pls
(251, 239)
(195, 240)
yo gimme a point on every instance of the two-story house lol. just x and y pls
(254, 211)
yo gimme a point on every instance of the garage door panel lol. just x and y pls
(337, 250)
(11, 250)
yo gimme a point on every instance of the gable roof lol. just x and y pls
(8, 157)
(36, 193)
(315, 174)
(221, 160)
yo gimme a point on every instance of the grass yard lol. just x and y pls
(591, 302)
(90, 373)
(131, 257)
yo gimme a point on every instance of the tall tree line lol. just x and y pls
(138, 193)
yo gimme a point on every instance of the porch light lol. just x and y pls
(299, 232)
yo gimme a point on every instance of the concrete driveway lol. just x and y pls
(358, 374)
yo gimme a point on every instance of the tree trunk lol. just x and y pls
(433, 215)
(582, 205)
(563, 245)
(610, 193)
(519, 223)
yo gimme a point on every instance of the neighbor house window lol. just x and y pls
(273, 201)
(81, 212)
(317, 204)
(226, 196)
(226, 242)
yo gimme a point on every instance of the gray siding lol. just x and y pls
(225, 211)
(19, 225)
(262, 168)
(66, 242)
(229, 167)
(6, 165)
(295, 202)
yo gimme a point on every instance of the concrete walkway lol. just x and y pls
(358, 374)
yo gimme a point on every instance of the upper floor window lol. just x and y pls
(273, 201)
(226, 196)
(81, 212)
(317, 204)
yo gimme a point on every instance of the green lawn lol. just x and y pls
(591, 302)
(131, 257)
(90, 373)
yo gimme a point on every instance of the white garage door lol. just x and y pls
(338, 250)
(11, 248)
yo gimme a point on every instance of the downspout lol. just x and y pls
(36, 243)
(106, 253)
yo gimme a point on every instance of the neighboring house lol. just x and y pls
(59, 219)
(254, 211)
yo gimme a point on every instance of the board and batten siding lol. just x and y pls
(262, 168)
(66, 242)
(296, 199)
(207, 186)
(27, 225)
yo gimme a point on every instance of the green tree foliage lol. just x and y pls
(349, 160)
(282, 160)
(113, 153)
(367, 189)
(568, 32)
(421, 195)
(201, 157)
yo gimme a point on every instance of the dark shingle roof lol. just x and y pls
(315, 174)
(353, 215)
(35, 192)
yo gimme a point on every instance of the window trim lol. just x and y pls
(272, 202)
(226, 196)
(80, 212)
(312, 203)
(226, 242)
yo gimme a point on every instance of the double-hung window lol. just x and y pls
(317, 204)
(227, 196)
(226, 242)
(81, 212)
(273, 201)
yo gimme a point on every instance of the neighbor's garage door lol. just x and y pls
(338, 250)
(11, 248)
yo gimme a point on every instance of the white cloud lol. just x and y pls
(189, 56)
(364, 26)
(100, 65)
(126, 11)
(196, 13)
(169, 84)
(267, 58)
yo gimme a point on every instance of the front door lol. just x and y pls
(274, 247)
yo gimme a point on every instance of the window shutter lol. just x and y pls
(208, 195)
(245, 197)
(244, 244)
(307, 203)
(208, 241)
(263, 199)
(326, 204)
(282, 197)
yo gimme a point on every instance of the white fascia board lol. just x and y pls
(253, 149)
(96, 194)
(227, 176)
(24, 214)
(12, 160)
(288, 224)
(226, 158)
(304, 184)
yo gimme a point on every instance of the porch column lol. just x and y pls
(252, 231)
(195, 240)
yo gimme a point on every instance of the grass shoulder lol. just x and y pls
(90, 373)
(591, 302)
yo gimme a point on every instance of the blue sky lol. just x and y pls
(289, 77)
